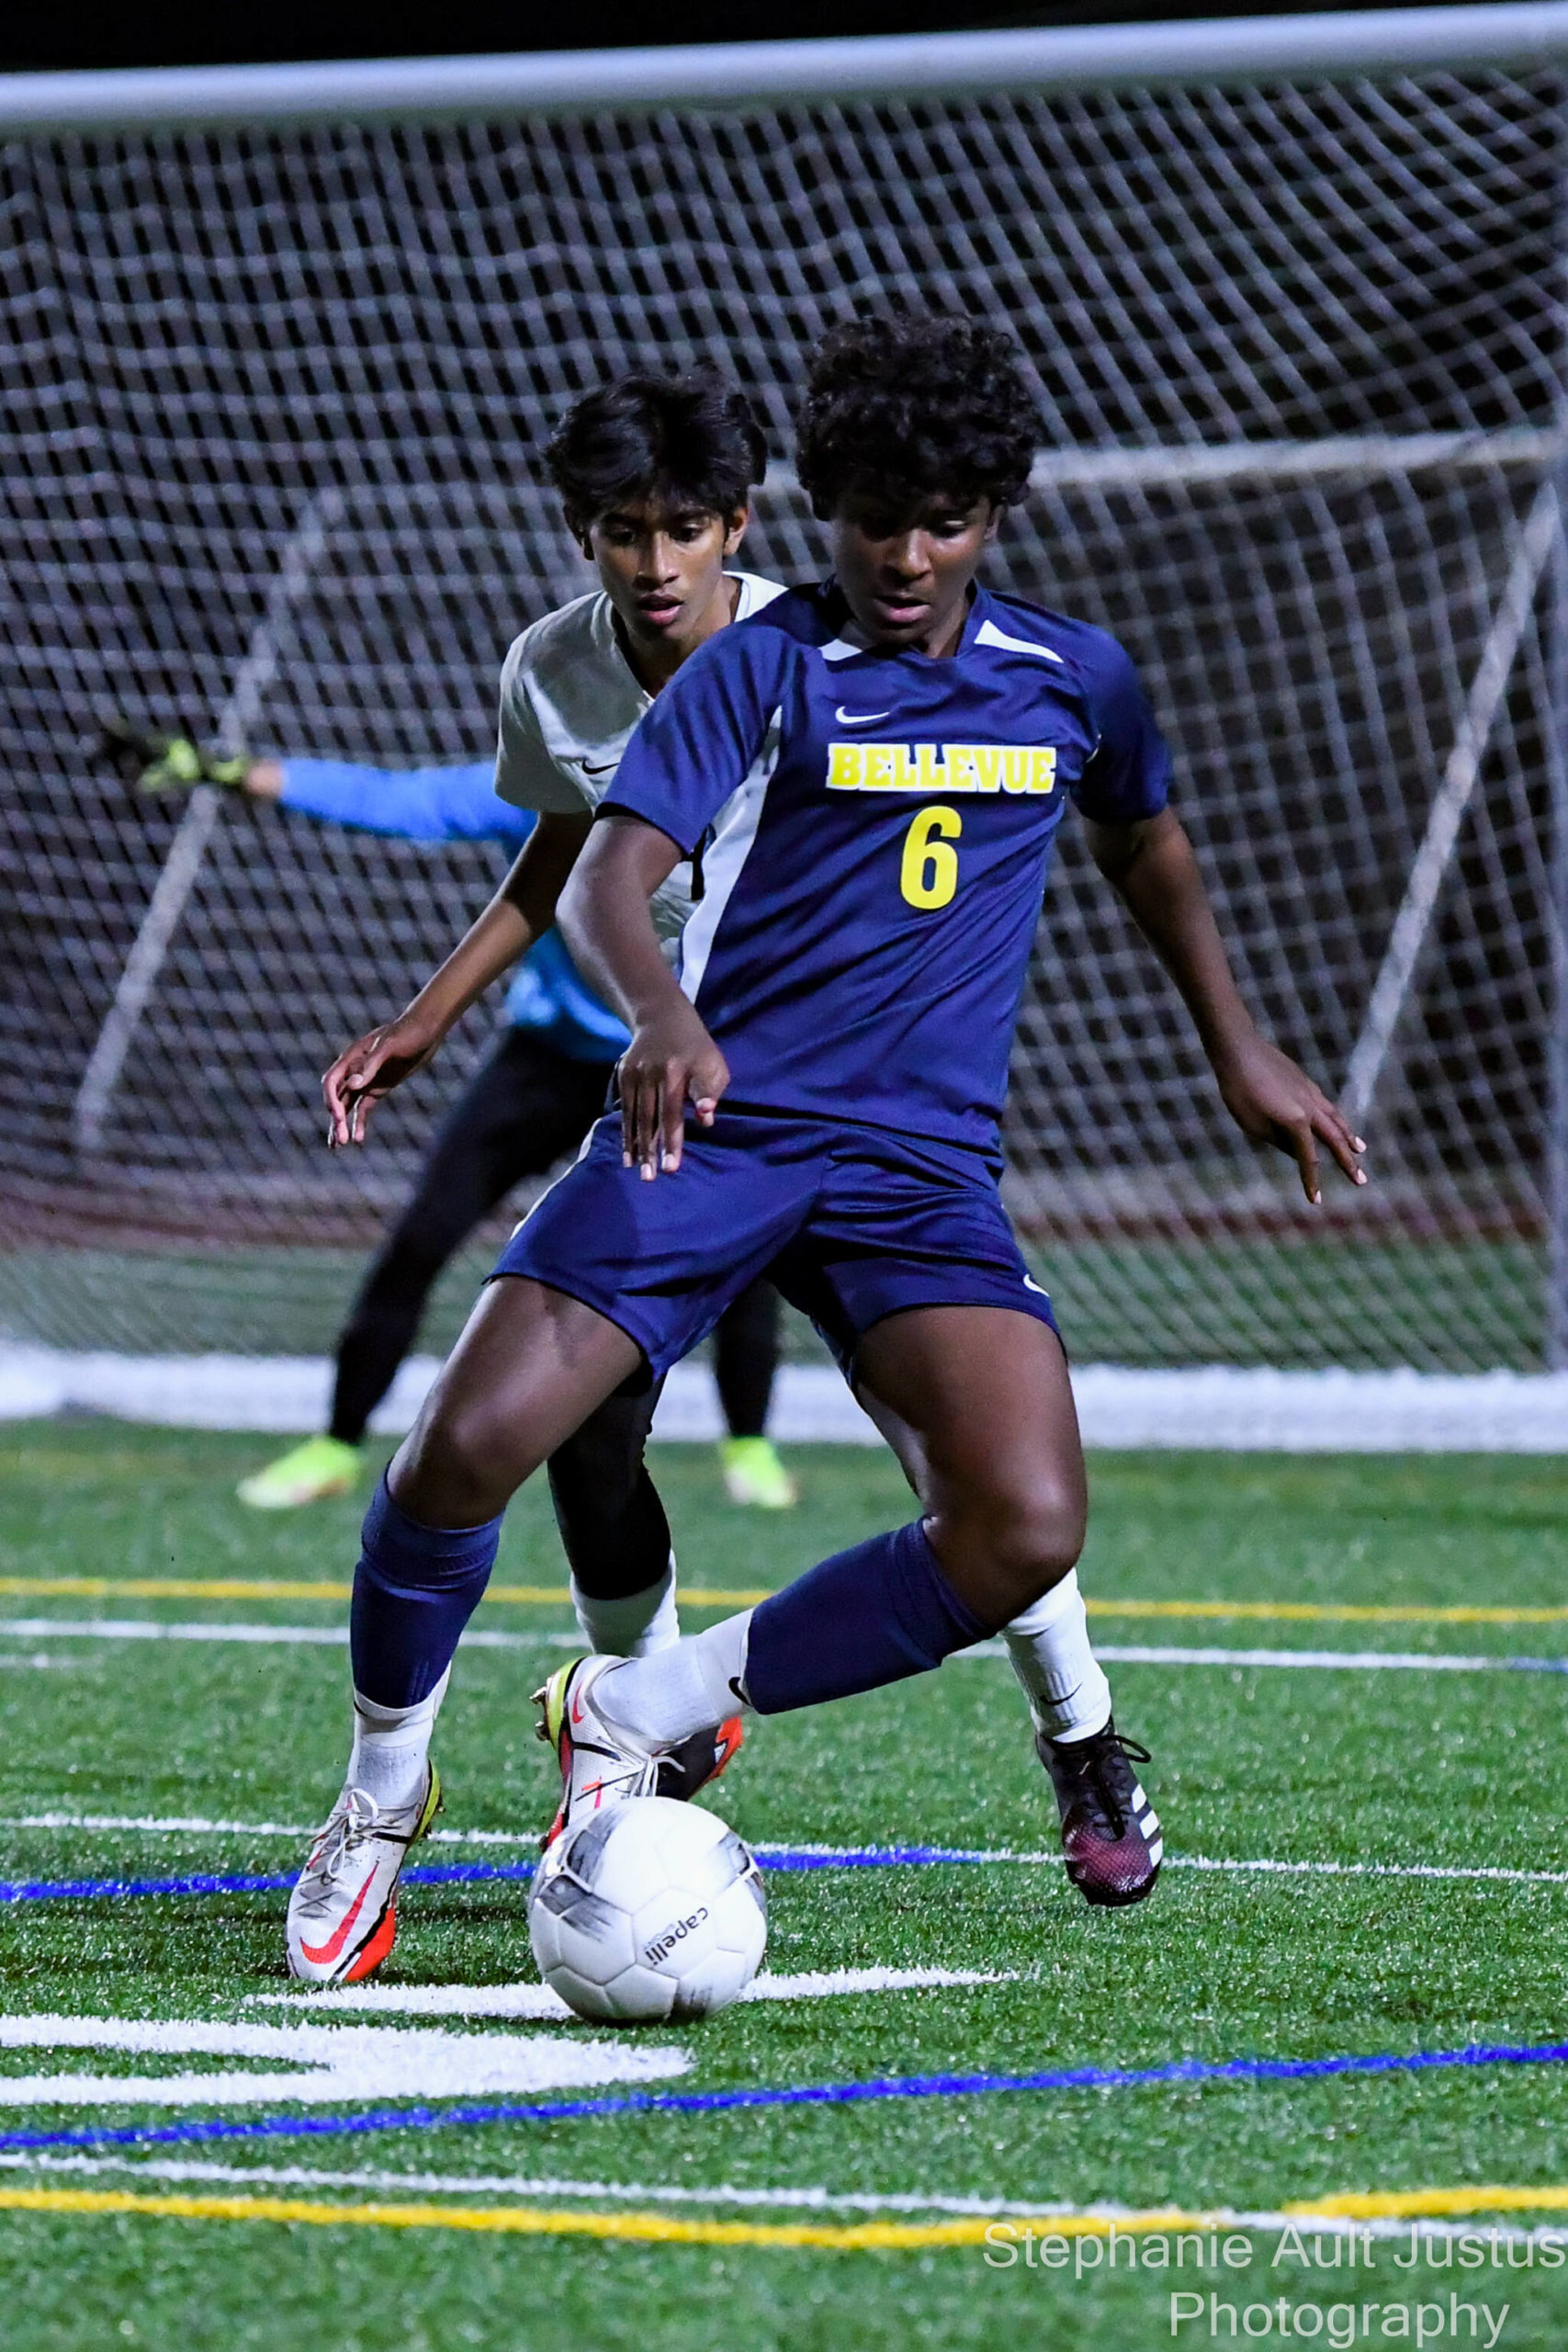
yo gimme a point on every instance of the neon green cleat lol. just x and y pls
(306, 1473)
(754, 1475)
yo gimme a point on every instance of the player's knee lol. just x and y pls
(1034, 1531)
(460, 1467)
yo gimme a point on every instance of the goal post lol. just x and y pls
(286, 343)
(1368, 45)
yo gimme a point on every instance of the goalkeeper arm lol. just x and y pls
(447, 802)
(1150, 866)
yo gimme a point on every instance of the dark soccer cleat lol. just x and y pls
(1111, 1833)
(686, 1770)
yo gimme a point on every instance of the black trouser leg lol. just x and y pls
(746, 1357)
(525, 1107)
(613, 1527)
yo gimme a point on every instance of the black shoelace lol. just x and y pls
(1098, 1752)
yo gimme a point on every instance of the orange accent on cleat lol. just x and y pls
(324, 1954)
(380, 1942)
(694, 1762)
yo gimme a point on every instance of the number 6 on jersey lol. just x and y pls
(928, 875)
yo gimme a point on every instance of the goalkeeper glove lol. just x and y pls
(167, 762)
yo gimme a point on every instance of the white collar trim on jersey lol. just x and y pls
(990, 634)
(838, 648)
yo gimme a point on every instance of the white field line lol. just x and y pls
(200, 1825)
(1215, 1406)
(802, 2198)
(537, 2005)
(1371, 1869)
(379, 2052)
(196, 1825)
(315, 2063)
(1358, 1661)
(148, 1629)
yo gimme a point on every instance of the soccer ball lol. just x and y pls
(651, 1910)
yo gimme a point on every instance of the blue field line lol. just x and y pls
(897, 2087)
(55, 1890)
(772, 1858)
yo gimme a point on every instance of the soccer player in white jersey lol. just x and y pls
(574, 688)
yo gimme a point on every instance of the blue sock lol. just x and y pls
(415, 1590)
(873, 1614)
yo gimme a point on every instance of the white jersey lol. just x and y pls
(569, 700)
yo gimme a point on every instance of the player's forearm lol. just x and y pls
(605, 920)
(611, 939)
(1152, 869)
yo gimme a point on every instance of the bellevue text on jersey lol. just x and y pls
(942, 767)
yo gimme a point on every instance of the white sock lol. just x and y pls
(1069, 1695)
(635, 1625)
(690, 1687)
(392, 1748)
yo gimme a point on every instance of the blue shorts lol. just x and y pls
(851, 1223)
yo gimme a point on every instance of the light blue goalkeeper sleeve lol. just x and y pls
(444, 804)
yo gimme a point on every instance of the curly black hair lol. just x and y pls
(906, 404)
(689, 440)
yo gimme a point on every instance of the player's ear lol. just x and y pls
(579, 530)
(994, 520)
(735, 528)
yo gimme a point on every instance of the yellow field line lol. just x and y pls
(661, 2229)
(1376, 2205)
(176, 1588)
(1317, 1612)
(713, 1597)
(857, 2237)
(289, 1589)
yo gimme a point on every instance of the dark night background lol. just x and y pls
(35, 35)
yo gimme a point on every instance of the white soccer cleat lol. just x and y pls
(341, 1917)
(601, 1763)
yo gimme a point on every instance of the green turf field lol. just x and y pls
(1356, 1301)
(1414, 1768)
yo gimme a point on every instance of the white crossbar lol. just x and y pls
(1377, 43)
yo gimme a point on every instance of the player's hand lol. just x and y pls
(671, 1061)
(155, 763)
(369, 1068)
(1273, 1102)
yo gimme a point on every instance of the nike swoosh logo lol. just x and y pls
(859, 718)
(1030, 1283)
(320, 1954)
(608, 769)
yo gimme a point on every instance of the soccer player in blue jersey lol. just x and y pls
(869, 775)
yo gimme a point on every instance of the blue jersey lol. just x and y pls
(548, 994)
(874, 831)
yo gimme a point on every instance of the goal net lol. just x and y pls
(273, 406)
